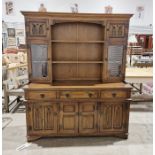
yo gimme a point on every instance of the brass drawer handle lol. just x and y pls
(42, 95)
(114, 94)
(67, 95)
(90, 94)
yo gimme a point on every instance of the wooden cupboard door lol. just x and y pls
(50, 118)
(112, 116)
(38, 117)
(118, 117)
(105, 117)
(68, 118)
(87, 117)
(42, 117)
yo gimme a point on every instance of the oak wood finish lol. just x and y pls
(76, 71)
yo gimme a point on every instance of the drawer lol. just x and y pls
(78, 94)
(41, 95)
(110, 94)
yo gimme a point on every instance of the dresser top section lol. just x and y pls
(78, 15)
(36, 86)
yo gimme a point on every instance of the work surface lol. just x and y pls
(138, 143)
(95, 86)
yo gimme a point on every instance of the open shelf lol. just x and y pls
(78, 62)
(77, 52)
(76, 82)
(76, 71)
(75, 41)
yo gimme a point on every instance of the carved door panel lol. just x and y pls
(42, 117)
(105, 117)
(117, 30)
(112, 116)
(68, 118)
(37, 29)
(118, 117)
(87, 117)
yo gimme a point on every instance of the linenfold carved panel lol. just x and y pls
(117, 30)
(38, 29)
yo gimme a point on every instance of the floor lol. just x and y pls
(138, 143)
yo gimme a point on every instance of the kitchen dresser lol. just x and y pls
(76, 65)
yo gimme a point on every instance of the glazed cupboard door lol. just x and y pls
(68, 118)
(115, 62)
(41, 118)
(87, 117)
(39, 68)
(112, 116)
(115, 57)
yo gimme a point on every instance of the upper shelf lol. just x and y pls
(72, 62)
(72, 41)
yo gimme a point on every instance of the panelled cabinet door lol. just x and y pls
(87, 117)
(68, 118)
(117, 34)
(105, 117)
(40, 68)
(112, 116)
(42, 117)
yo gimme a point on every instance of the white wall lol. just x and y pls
(93, 6)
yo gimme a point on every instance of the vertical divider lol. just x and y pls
(50, 50)
(105, 53)
(77, 38)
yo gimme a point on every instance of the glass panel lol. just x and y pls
(39, 69)
(115, 55)
(39, 60)
(114, 69)
(39, 52)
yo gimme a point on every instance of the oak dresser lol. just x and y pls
(76, 65)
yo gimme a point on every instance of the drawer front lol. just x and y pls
(78, 94)
(113, 94)
(41, 95)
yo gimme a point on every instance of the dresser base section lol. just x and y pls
(74, 111)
